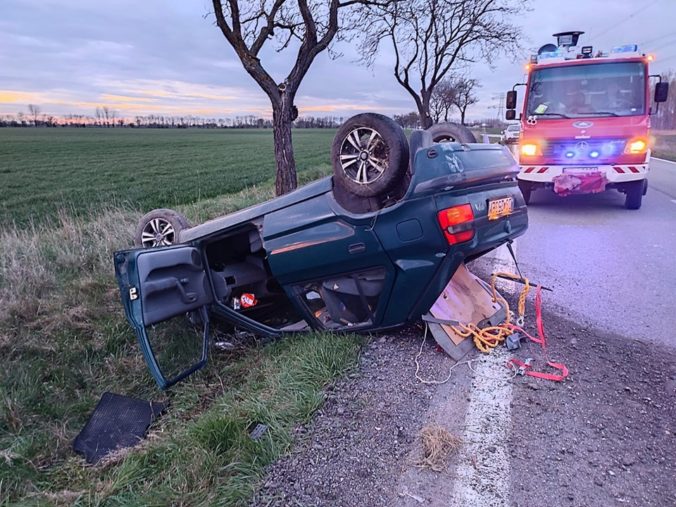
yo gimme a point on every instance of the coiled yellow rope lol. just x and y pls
(487, 338)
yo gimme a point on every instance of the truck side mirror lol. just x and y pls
(661, 91)
(510, 114)
(511, 99)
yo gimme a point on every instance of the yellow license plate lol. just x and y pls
(500, 208)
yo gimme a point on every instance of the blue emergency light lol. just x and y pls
(549, 54)
(627, 48)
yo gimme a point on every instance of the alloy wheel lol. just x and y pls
(364, 155)
(158, 232)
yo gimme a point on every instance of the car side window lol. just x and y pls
(344, 301)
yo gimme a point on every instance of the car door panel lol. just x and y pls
(157, 285)
(329, 247)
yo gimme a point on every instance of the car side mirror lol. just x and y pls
(510, 114)
(661, 91)
(511, 99)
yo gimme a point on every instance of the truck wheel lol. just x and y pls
(160, 227)
(645, 186)
(369, 155)
(526, 189)
(451, 132)
(634, 195)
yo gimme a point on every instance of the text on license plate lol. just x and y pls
(500, 208)
(580, 170)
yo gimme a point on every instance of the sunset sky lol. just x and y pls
(166, 56)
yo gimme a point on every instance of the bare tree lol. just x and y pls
(442, 99)
(249, 25)
(464, 95)
(106, 114)
(34, 111)
(432, 37)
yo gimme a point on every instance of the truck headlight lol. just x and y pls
(636, 146)
(529, 149)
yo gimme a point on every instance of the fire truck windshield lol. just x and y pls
(590, 90)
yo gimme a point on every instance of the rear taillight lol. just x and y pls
(456, 222)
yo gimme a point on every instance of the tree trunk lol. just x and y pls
(462, 115)
(426, 120)
(286, 165)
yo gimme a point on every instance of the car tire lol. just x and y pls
(160, 227)
(526, 190)
(645, 186)
(369, 155)
(451, 132)
(634, 191)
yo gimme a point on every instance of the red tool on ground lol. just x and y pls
(525, 368)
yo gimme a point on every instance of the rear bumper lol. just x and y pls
(620, 173)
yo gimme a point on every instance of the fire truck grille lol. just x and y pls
(588, 150)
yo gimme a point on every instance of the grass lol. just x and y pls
(665, 145)
(64, 341)
(44, 170)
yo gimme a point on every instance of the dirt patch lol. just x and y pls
(358, 444)
(604, 437)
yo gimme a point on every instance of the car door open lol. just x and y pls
(166, 294)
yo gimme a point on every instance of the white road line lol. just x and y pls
(483, 472)
(663, 160)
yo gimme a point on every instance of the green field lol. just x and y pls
(665, 145)
(70, 199)
(44, 171)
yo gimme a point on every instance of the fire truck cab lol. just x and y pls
(585, 120)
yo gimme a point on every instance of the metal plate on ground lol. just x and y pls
(117, 421)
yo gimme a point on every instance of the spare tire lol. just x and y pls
(369, 155)
(160, 227)
(451, 132)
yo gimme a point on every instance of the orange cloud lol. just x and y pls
(176, 98)
(107, 97)
(14, 96)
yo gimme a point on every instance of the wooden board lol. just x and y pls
(466, 299)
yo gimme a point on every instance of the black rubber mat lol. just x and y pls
(117, 422)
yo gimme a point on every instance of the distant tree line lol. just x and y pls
(412, 121)
(106, 117)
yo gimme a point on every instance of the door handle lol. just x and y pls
(356, 248)
(168, 284)
(187, 297)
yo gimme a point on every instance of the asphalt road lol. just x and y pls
(611, 268)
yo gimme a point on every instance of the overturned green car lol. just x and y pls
(369, 248)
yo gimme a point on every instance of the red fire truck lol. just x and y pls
(585, 119)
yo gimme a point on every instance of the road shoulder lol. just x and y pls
(606, 435)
